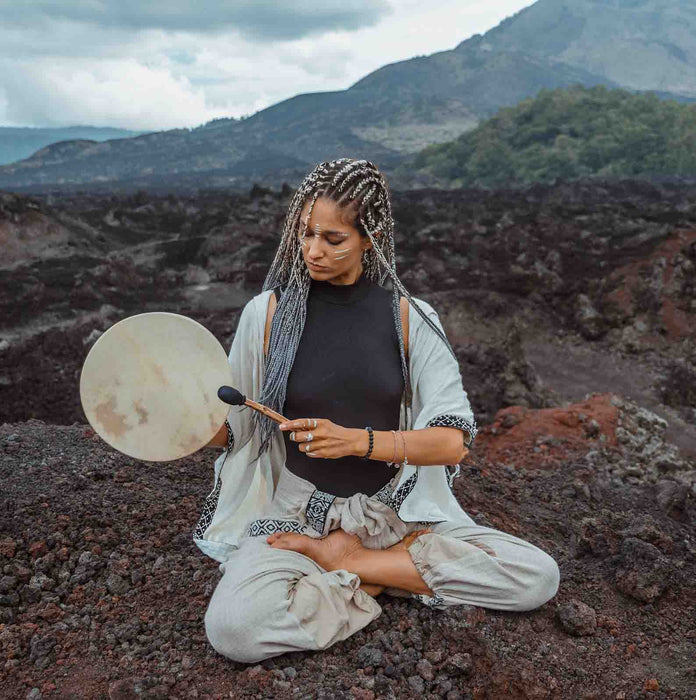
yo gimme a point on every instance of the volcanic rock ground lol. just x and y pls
(571, 309)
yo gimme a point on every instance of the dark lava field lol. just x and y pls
(572, 310)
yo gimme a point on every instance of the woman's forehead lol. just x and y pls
(326, 214)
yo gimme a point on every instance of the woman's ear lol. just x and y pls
(367, 243)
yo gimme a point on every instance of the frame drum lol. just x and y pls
(149, 386)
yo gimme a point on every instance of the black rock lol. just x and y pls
(369, 656)
(577, 618)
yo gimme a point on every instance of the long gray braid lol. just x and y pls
(351, 183)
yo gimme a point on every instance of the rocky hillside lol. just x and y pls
(523, 280)
(102, 591)
(398, 109)
(571, 309)
(17, 143)
(547, 292)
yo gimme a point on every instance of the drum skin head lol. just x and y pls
(149, 386)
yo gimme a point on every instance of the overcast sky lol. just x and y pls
(161, 64)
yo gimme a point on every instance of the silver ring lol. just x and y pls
(292, 436)
(315, 422)
(310, 437)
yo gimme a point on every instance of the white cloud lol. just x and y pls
(68, 71)
(123, 93)
(262, 19)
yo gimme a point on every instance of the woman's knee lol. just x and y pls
(540, 586)
(230, 631)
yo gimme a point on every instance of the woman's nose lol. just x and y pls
(314, 248)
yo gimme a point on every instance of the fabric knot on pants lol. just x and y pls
(375, 523)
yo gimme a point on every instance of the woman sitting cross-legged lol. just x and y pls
(352, 495)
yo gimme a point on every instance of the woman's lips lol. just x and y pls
(316, 267)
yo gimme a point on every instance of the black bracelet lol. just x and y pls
(372, 442)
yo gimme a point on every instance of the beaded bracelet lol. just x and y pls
(372, 442)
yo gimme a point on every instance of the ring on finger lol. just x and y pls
(292, 436)
(314, 420)
(310, 437)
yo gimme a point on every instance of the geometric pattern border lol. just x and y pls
(435, 602)
(269, 526)
(209, 508)
(394, 499)
(452, 471)
(230, 436)
(317, 509)
(449, 420)
(400, 495)
(211, 501)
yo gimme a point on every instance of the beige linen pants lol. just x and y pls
(271, 601)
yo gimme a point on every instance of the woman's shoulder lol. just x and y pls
(423, 305)
(255, 310)
(258, 301)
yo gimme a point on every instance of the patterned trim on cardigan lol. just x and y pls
(448, 420)
(269, 526)
(317, 508)
(394, 499)
(209, 508)
(211, 501)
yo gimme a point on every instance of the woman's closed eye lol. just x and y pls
(332, 241)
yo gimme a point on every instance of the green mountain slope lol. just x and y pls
(569, 134)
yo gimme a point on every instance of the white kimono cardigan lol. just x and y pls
(244, 486)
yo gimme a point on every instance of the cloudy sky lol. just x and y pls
(160, 64)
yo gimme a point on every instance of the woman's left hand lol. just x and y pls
(320, 437)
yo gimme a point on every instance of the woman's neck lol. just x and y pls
(347, 278)
(340, 293)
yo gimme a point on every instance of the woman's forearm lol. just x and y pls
(424, 447)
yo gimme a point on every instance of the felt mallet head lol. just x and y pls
(231, 396)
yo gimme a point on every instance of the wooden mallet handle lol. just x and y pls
(235, 398)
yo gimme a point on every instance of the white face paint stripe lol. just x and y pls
(340, 257)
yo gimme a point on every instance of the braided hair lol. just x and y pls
(357, 185)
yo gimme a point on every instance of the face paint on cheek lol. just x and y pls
(342, 253)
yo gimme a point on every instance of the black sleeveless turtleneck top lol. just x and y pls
(347, 368)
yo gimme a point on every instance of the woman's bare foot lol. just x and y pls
(332, 552)
(338, 550)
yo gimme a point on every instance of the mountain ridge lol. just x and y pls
(17, 143)
(389, 114)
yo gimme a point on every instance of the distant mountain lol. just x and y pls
(639, 44)
(17, 143)
(400, 108)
